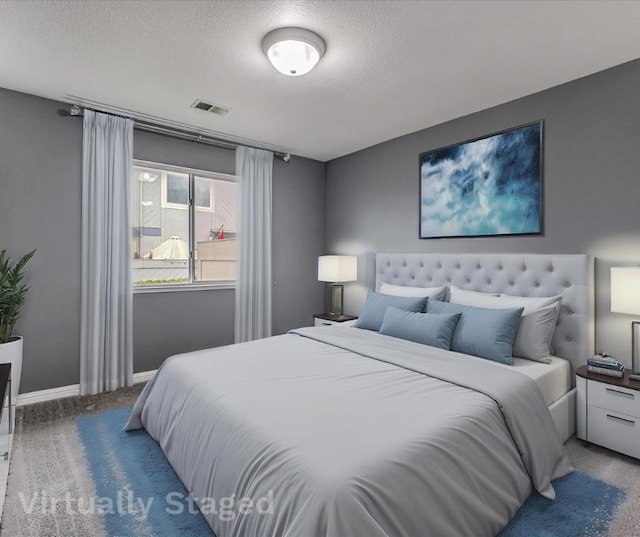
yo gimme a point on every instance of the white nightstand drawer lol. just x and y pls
(322, 322)
(614, 430)
(615, 398)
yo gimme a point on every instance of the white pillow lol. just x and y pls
(462, 294)
(437, 293)
(537, 323)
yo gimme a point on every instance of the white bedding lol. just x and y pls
(355, 433)
(554, 379)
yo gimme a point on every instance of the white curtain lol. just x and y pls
(254, 170)
(106, 342)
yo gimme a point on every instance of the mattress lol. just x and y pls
(554, 379)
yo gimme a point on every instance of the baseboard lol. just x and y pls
(144, 376)
(69, 391)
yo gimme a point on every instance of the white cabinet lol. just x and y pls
(323, 322)
(608, 412)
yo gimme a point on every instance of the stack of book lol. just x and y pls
(605, 365)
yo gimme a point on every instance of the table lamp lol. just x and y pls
(625, 298)
(336, 269)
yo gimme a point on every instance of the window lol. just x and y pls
(175, 192)
(177, 189)
(184, 226)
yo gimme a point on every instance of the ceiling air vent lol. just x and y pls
(208, 107)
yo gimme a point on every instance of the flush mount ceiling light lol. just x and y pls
(293, 51)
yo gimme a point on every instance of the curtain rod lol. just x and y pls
(172, 132)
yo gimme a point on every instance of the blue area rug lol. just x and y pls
(584, 507)
(128, 469)
(133, 478)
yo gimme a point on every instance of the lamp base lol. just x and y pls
(337, 297)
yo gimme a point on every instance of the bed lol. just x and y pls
(569, 275)
(336, 431)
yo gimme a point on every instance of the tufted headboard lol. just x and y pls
(514, 274)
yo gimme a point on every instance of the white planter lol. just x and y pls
(12, 353)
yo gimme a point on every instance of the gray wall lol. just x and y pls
(40, 197)
(40, 207)
(591, 183)
(298, 240)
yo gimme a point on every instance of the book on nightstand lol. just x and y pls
(603, 364)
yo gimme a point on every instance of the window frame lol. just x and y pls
(192, 284)
(165, 204)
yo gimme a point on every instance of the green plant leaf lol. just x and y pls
(12, 292)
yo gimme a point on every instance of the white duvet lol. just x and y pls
(352, 433)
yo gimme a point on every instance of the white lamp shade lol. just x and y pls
(337, 268)
(625, 290)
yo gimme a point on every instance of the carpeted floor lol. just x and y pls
(47, 459)
(47, 456)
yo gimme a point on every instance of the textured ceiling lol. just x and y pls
(391, 67)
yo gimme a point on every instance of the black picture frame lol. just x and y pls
(490, 186)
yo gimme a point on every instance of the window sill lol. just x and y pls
(177, 288)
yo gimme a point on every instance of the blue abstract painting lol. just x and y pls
(485, 187)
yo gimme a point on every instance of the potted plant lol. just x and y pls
(13, 293)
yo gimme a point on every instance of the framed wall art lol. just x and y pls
(489, 186)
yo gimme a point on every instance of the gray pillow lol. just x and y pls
(537, 324)
(539, 318)
(426, 328)
(376, 304)
(483, 332)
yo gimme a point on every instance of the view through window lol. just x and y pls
(184, 226)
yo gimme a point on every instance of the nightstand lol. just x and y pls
(328, 319)
(608, 411)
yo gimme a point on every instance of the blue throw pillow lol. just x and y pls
(376, 304)
(483, 332)
(426, 328)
